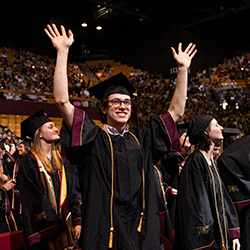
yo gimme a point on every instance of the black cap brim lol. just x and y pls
(100, 89)
(230, 132)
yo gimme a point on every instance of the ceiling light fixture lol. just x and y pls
(99, 27)
(84, 24)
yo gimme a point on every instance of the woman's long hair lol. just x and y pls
(57, 160)
(205, 141)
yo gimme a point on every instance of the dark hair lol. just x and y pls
(205, 141)
(103, 103)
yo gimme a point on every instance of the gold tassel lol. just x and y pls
(140, 223)
(111, 237)
(223, 246)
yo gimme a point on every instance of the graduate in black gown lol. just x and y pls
(206, 217)
(234, 165)
(45, 185)
(7, 220)
(120, 203)
(23, 149)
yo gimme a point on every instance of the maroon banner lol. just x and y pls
(10, 107)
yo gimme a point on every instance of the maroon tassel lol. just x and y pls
(143, 226)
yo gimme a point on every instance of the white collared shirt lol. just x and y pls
(113, 131)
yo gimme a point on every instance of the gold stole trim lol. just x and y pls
(48, 184)
(63, 188)
(215, 200)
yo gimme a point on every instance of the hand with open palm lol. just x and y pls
(59, 41)
(184, 58)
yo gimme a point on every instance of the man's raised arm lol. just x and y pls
(183, 60)
(61, 42)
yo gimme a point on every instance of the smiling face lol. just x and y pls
(49, 132)
(117, 117)
(21, 149)
(215, 132)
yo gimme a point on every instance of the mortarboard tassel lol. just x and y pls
(223, 246)
(111, 237)
(141, 226)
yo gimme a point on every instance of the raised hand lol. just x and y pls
(183, 59)
(59, 41)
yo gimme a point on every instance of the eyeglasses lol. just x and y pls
(117, 103)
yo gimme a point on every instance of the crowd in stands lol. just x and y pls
(27, 71)
(212, 89)
(106, 71)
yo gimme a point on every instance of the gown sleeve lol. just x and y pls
(75, 198)
(83, 132)
(160, 136)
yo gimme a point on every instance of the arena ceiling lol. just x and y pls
(125, 22)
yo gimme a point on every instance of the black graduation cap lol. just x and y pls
(26, 142)
(198, 127)
(32, 123)
(182, 128)
(231, 131)
(115, 84)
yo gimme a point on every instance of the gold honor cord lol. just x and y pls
(111, 231)
(216, 206)
(223, 208)
(63, 190)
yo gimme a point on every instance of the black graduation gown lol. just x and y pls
(91, 151)
(234, 165)
(205, 213)
(7, 221)
(170, 168)
(9, 162)
(41, 221)
(166, 226)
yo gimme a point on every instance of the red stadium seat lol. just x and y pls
(12, 240)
